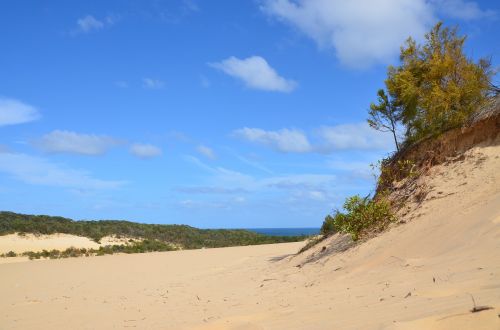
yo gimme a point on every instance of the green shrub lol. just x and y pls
(11, 254)
(328, 226)
(361, 214)
(437, 86)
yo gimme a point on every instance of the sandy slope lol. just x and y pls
(30, 242)
(419, 275)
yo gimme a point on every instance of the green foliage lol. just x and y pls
(136, 247)
(388, 173)
(9, 254)
(385, 115)
(179, 235)
(360, 214)
(436, 86)
(328, 226)
(333, 224)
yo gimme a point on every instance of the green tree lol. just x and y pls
(385, 115)
(436, 85)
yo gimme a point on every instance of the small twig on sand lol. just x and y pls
(476, 308)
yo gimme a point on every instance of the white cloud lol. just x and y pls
(293, 188)
(284, 140)
(228, 180)
(145, 150)
(70, 142)
(256, 73)
(361, 32)
(460, 9)
(151, 83)
(206, 151)
(358, 136)
(89, 23)
(305, 193)
(39, 171)
(14, 112)
(299, 181)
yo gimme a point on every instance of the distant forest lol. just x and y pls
(179, 235)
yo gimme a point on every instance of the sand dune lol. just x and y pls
(29, 242)
(419, 275)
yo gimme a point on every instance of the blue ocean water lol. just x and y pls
(286, 231)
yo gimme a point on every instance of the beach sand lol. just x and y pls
(418, 275)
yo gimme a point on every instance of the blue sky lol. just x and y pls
(213, 114)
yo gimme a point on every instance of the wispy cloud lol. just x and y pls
(357, 136)
(151, 83)
(253, 163)
(232, 180)
(14, 112)
(206, 151)
(300, 193)
(284, 140)
(145, 150)
(256, 73)
(60, 141)
(40, 171)
(89, 23)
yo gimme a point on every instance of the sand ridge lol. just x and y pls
(30, 242)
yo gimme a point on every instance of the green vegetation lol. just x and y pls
(9, 254)
(154, 237)
(135, 247)
(390, 171)
(435, 88)
(385, 116)
(361, 214)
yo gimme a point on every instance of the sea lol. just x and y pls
(286, 231)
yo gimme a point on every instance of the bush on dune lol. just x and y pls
(436, 87)
(360, 216)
